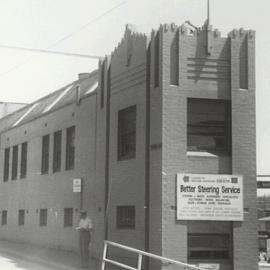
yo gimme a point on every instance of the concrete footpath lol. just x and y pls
(264, 266)
(53, 258)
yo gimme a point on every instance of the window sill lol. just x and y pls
(126, 158)
(125, 228)
(200, 154)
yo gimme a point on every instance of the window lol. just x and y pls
(127, 133)
(68, 217)
(4, 218)
(45, 154)
(156, 70)
(6, 164)
(43, 217)
(102, 86)
(267, 225)
(57, 142)
(24, 160)
(14, 162)
(266, 213)
(70, 148)
(208, 246)
(21, 215)
(174, 60)
(243, 64)
(209, 126)
(125, 217)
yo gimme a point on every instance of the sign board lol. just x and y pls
(209, 197)
(209, 266)
(77, 185)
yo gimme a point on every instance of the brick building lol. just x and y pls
(179, 102)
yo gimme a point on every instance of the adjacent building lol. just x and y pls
(9, 107)
(166, 124)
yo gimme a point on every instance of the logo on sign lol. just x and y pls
(186, 178)
(234, 180)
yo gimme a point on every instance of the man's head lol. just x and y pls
(83, 214)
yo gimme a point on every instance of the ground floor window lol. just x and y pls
(21, 216)
(68, 217)
(208, 246)
(4, 217)
(125, 217)
(43, 217)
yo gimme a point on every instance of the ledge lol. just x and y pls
(200, 154)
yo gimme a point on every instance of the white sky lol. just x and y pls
(25, 76)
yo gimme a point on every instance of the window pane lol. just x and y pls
(24, 160)
(127, 133)
(209, 125)
(6, 164)
(70, 148)
(125, 217)
(43, 217)
(21, 215)
(68, 217)
(45, 154)
(14, 162)
(208, 246)
(57, 143)
(4, 217)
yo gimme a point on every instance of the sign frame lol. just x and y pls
(77, 185)
(212, 197)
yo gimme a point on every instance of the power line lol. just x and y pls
(63, 38)
(87, 24)
(50, 52)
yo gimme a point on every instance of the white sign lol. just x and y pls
(77, 185)
(207, 266)
(209, 197)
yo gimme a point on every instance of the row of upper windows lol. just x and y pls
(57, 153)
(43, 217)
(23, 166)
(208, 128)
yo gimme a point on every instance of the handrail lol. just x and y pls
(140, 253)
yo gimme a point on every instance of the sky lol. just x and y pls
(96, 27)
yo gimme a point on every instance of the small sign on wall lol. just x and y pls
(77, 185)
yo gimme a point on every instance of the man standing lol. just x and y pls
(85, 228)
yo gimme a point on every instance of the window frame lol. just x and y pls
(226, 135)
(68, 217)
(21, 217)
(24, 153)
(14, 165)
(122, 213)
(6, 164)
(57, 151)
(212, 251)
(43, 217)
(70, 147)
(45, 154)
(4, 217)
(125, 135)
